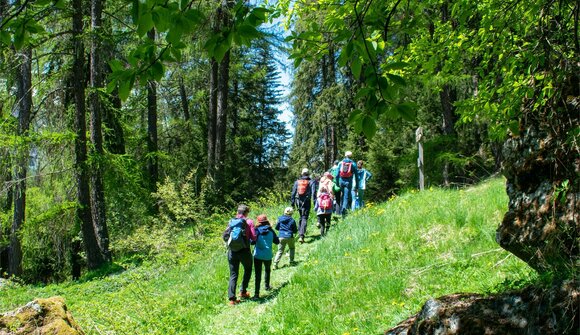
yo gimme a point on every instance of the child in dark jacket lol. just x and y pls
(286, 226)
(263, 252)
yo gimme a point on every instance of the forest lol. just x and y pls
(121, 121)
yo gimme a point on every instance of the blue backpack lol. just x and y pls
(237, 240)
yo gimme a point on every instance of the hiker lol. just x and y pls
(336, 188)
(323, 208)
(240, 225)
(286, 227)
(265, 236)
(302, 195)
(347, 176)
(363, 176)
(326, 181)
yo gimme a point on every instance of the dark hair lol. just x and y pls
(243, 209)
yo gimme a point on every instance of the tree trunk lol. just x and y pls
(83, 211)
(24, 100)
(211, 117)
(221, 120)
(152, 144)
(97, 187)
(448, 96)
(184, 103)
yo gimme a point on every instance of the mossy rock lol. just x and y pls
(42, 317)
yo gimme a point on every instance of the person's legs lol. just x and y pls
(246, 260)
(338, 202)
(361, 198)
(346, 196)
(281, 247)
(354, 200)
(292, 248)
(325, 219)
(234, 262)
(304, 213)
(257, 276)
(267, 270)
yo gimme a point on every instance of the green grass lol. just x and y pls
(373, 270)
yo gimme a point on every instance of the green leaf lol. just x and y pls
(220, 51)
(395, 66)
(356, 67)
(42, 2)
(124, 89)
(157, 71)
(174, 34)
(176, 52)
(354, 115)
(397, 79)
(195, 16)
(248, 32)
(369, 126)
(5, 37)
(407, 110)
(19, 38)
(260, 13)
(135, 11)
(116, 65)
(364, 92)
(111, 86)
(145, 24)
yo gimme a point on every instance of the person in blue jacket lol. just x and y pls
(265, 236)
(286, 227)
(347, 178)
(363, 176)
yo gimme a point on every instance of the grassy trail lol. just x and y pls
(249, 314)
(372, 270)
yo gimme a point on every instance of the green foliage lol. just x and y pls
(388, 259)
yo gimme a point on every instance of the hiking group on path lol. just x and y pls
(339, 190)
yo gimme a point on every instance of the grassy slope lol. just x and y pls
(373, 270)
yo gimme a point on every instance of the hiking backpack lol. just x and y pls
(346, 169)
(237, 239)
(303, 186)
(325, 201)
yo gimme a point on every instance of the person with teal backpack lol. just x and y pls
(265, 236)
(238, 236)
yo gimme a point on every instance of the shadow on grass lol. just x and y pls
(271, 295)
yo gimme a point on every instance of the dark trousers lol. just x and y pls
(324, 223)
(346, 187)
(304, 209)
(338, 202)
(258, 275)
(243, 256)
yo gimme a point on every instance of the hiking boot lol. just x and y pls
(234, 302)
(292, 263)
(275, 266)
(256, 297)
(245, 295)
(268, 288)
(301, 239)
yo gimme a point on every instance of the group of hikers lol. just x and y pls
(338, 191)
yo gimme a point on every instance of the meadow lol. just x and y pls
(373, 269)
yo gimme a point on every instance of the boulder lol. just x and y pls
(40, 317)
(529, 311)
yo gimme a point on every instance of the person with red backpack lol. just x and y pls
(323, 208)
(347, 178)
(301, 197)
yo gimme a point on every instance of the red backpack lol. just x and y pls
(325, 201)
(303, 186)
(345, 169)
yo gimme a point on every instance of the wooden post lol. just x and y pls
(418, 139)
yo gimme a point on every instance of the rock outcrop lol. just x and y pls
(40, 317)
(542, 168)
(553, 311)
